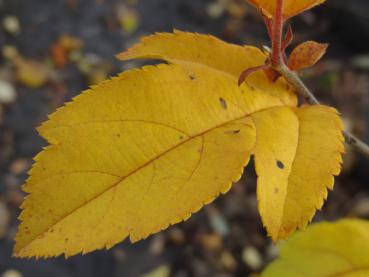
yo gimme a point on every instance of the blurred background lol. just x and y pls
(52, 50)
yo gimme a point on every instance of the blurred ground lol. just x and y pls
(52, 50)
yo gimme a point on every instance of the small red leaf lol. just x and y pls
(306, 55)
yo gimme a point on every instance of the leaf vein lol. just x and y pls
(123, 121)
(122, 178)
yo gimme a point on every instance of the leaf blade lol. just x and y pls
(72, 188)
(291, 7)
(306, 55)
(182, 47)
(321, 251)
(291, 183)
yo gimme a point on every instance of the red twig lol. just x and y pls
(277, 33)
(287, 39)
(276, 65)
(286, 42)
(269, 26)
(251, 70)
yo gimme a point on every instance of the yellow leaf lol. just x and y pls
(150, 147)
(179, 47)
(161, 271)
(290, 7)
(297, 153)
(325, 249)
(306, 55)
(134, 154)
(31, 73)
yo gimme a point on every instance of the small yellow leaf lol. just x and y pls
(297, 153)
(290, 7)
(31, 73)
(135, 154)
(325, 249)
(306, 55)
(180, 47)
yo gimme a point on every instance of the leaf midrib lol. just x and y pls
(291, 170)
(135, 171)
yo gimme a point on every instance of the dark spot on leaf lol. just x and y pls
(276, 190)
(192, 76)
(223, 103)
(66, 240)
(181, 137)
(118, 135)
(252, 88)
(280, 164)
(233, 132)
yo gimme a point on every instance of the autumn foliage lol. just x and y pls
(325, 249)
(151, 146)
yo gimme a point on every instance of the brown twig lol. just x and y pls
(309, 97)
(279, 65)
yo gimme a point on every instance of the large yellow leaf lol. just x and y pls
(297, 153)
(148, 148)
(291, 7)
(179, 47)
(135, 154)
(324, 250)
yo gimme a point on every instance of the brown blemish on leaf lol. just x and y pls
(276, 190)
(223, 103)
(232, 132)
(280, 164)
(192, 76)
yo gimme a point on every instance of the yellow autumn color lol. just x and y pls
(182, 47)
(135, 154)
(296, 156)
(290, 7)
(149, 147)
(325, 249)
